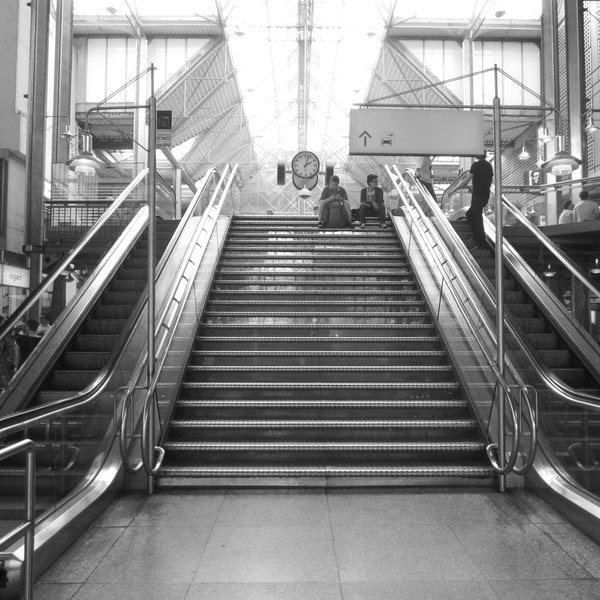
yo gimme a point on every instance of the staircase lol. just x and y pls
(317, 360)
(573, 432)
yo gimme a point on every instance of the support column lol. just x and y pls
(575, 79)
(36, 135)
(62, 80)
(550, 92)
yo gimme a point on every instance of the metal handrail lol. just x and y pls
(120, 424)
(27, 529)
(36, 293)
(33, 416)
(165, 321)
(552, 247)
(551, 381)
(413, 205)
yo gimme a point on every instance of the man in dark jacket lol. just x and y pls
(27, 341)
(481, 175)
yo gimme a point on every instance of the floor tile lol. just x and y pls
(189, 508)
(548, 589)
(480, 506)
(55, 591)
(536, 510)
(419, 590)
(153, 554)
(381, 509)
(400, 553)
(576, 544)
(264, 591)
(268, 554)
(122, 511)
(80, 561)
(274, 507)
(139, 590)
(516, 552)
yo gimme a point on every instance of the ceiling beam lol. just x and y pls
(305, 33)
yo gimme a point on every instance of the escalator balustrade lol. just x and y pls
(66, 446)
(573, 432)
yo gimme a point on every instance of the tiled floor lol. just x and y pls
(328, 545)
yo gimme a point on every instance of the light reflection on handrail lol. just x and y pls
(206, 226)
(412, 205)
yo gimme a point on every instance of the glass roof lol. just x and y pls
(302, 64)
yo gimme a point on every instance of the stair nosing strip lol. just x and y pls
(414, 385)
(327, 446)
(322, 423)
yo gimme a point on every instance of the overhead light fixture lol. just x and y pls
(524, 154)
(86, 162)
(562, 163)
(595, 270)
(545, 136)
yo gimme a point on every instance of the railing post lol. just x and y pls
(499, 279)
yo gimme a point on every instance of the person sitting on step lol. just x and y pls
(334, 196)
(371, 202)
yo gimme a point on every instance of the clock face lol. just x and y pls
(305, 164)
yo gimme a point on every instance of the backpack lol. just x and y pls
(336, 214)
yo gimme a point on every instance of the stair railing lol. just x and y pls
(124, 427)
(26, 529)
(151, 454)
(450, 274)
(65, 263)
(547, 378)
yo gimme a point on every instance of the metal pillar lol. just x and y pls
(499, 279)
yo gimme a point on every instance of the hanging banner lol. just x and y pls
(416, 132)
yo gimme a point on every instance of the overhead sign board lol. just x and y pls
(415, 132)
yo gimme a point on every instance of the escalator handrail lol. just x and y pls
(36, 293)
(457, 184)
(552, 382)
(211, 214)
(413, 205)
(139, 368)
(28, 417)
(23, 419)
(552, 247)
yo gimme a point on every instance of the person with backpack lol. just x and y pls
(371, 202)
(334, 206)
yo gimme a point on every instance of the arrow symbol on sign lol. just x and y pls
(364, 135)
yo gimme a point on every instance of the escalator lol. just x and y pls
(67, 446)
(548, 341)
(570, 430)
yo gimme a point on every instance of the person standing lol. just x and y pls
(424, 174)
(481, 175)
(371, 202)
(585, 209)
(27, 341)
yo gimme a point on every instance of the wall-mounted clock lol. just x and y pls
(305, 164)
